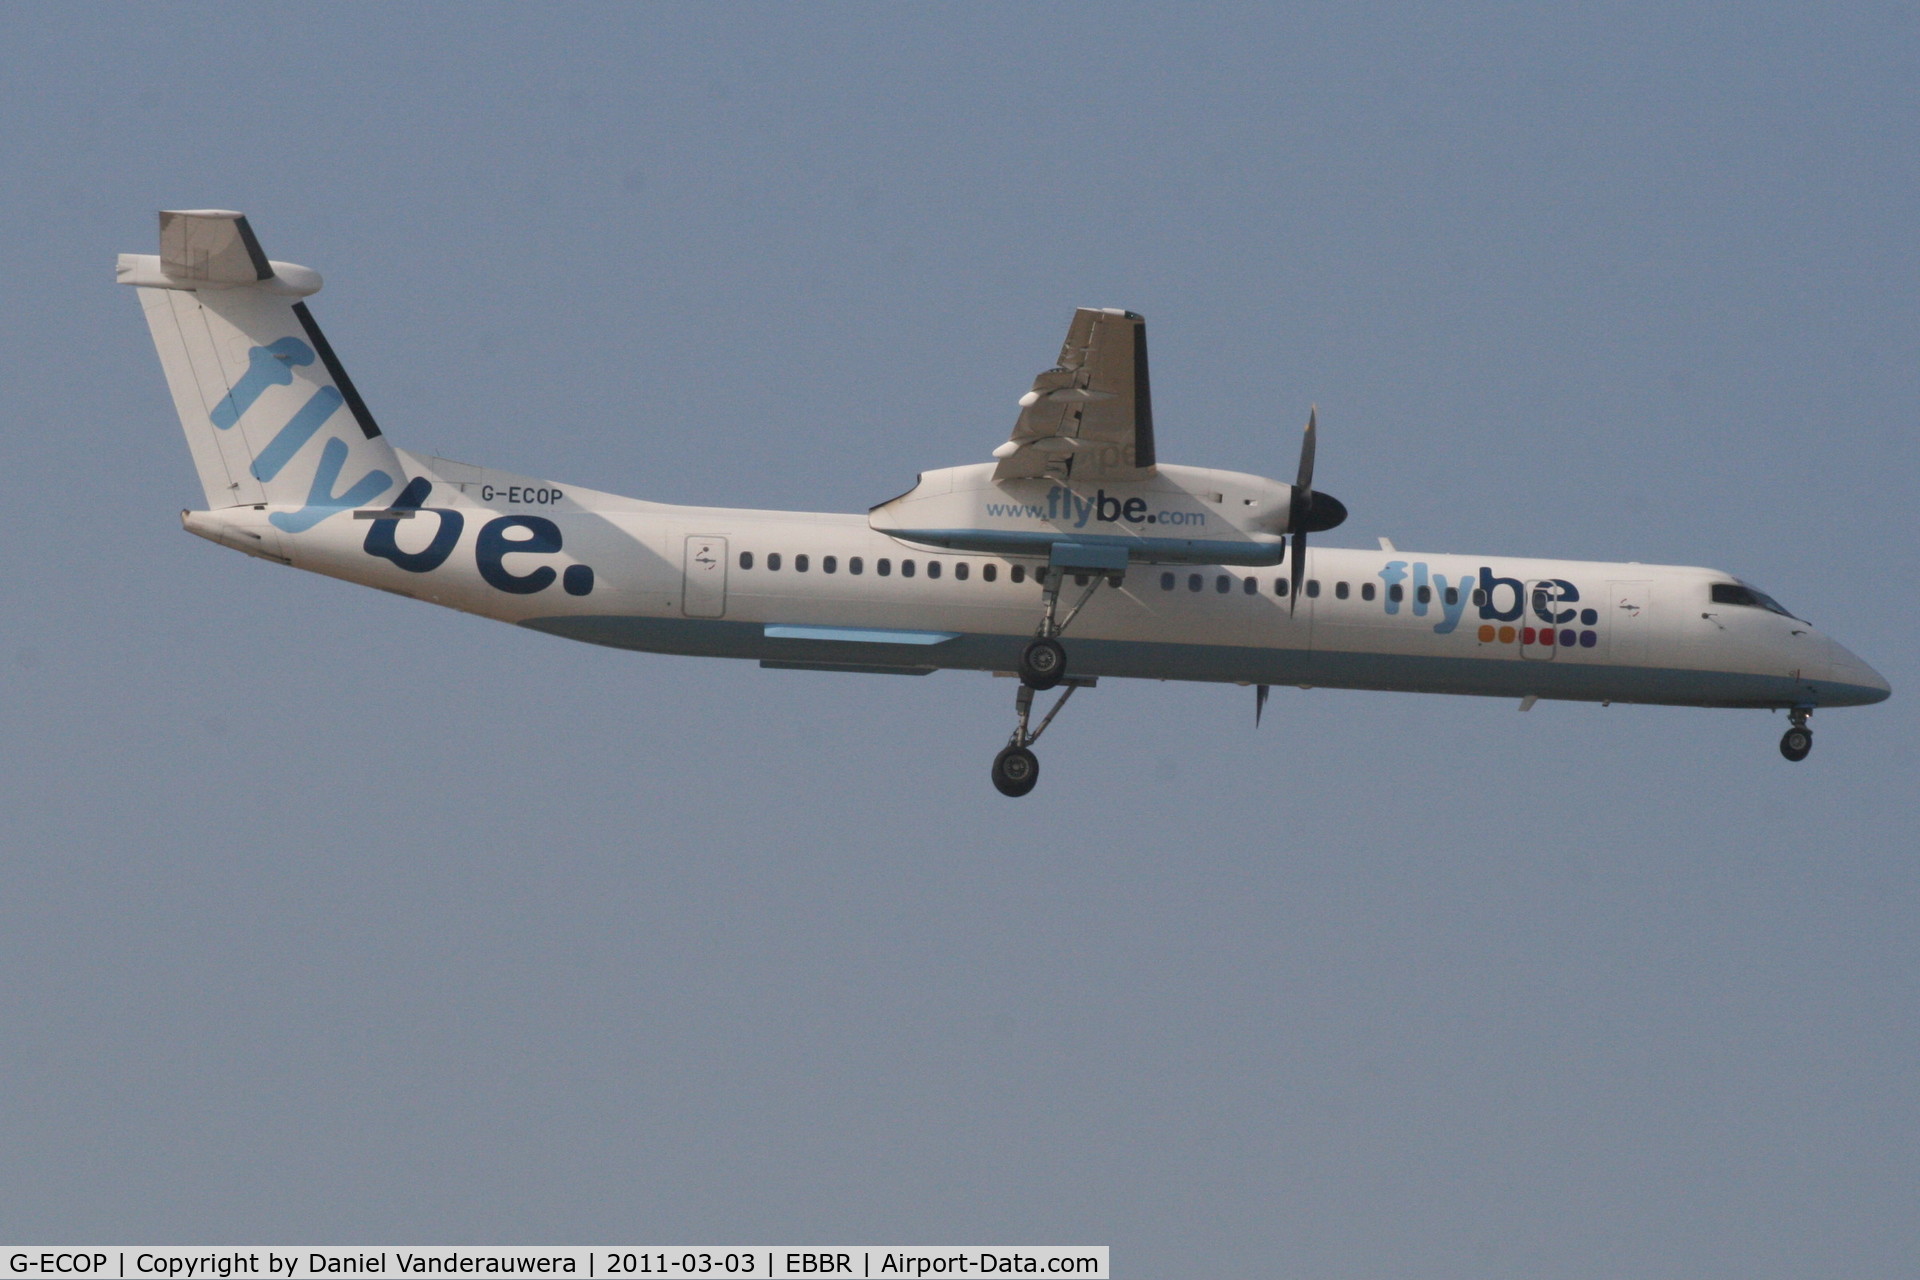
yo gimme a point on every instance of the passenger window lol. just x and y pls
(1424, 595)
(1340, 590)
(800, 564)
(1479, 596)
(1280, 587)
(773, 559)
(1017, 574)
(1223, 584)
(883, 566)
(1453, 595)
(1193, 582)
(1366, 591)
(1166, 582)
(856, 566)
(829, 564)
(906, 568)
(1313, 587)
(933, 568)
(1396, 593)
(960, 571)
(746, 559)
(989, 572)
(1251, 587)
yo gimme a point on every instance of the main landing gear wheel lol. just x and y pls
(1015, 771)
(1043, 664)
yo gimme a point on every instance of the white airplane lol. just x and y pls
(1074, 554)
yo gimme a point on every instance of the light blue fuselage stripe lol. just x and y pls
(860, 635)
(1015, 542)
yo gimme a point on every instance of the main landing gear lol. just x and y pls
(1797, 741)
(1016, 769)
(1043, 665)
(1044, 662)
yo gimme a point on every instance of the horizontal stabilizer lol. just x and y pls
(211, 246)
(212, 249)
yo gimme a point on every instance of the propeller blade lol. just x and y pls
(1298, 572)
(1305, 480)
(1260, 692)
(1302, 504)
(1308, 511)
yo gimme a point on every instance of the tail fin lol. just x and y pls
(259, 391)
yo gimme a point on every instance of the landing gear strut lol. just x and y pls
(1797, 741)
(1043, 663)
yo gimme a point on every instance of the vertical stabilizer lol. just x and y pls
(270, 415)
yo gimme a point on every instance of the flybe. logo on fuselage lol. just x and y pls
(1543, 610)
(530, 535)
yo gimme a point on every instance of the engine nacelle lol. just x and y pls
(1178, 515)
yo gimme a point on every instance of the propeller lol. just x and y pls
(1260, 693)
(1310, 512)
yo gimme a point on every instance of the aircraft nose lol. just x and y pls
(1850, 669)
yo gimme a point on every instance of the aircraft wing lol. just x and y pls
(1091, 416)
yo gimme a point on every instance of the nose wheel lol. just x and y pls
(1797, 741)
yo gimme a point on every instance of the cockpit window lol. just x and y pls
(1741, 593)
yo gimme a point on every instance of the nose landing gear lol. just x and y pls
(1797, 741)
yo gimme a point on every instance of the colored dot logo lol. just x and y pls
(1565, 637)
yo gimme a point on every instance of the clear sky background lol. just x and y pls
(333, 918)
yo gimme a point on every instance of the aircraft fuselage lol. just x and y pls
(827, 591)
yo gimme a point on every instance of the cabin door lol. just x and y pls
(1626, 615)
(705, 570)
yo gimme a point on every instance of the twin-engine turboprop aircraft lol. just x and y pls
(1075, 554)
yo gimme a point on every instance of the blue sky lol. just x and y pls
(335, 918)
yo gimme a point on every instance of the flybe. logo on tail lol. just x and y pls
(273, 366)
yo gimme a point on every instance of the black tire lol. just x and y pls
(1015, 771)
(1795, 743)
(1043, 664)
